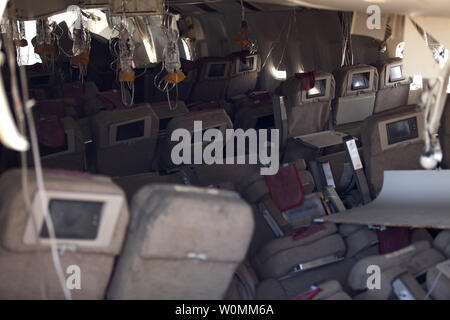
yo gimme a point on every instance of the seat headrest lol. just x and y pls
(355, 79)
(392, 128)
(214, 68)
(442, 242)
(177, 221)
(214, 118)
(357, 278)
(390, 72)
(323, 89)
(88, 212)
(136, 123)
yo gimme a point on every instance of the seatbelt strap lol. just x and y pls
(309, 295)
(358, 169)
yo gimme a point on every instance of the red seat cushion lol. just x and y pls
(51, 133)
(286, 188)
(52, 107)
(111, 99)
(393, 239)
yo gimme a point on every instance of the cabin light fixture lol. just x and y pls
(187, 51)
(278, 74)
(151, 54)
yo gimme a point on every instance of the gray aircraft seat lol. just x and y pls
(415, 259)
(356, 88)
(90, 218)
(359, 242)
(308, 247)
(244, 283)
(106, 100)
(40, 78)
(166, 112)
(210, 119)
(244, 74)
(286, 201)
(125, 140)
(81, 93)
(132, 183)
(213, 105)
(441, 289)
(213, 78)
(253, 187)
(183, 243)
(392, 140)
(438, 277)
(61, 144)
(393, 86)
(255, 114)
(308, 102)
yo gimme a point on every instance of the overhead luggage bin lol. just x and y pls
(409, 198)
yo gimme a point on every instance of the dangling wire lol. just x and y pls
(347, 48)
(18, 108)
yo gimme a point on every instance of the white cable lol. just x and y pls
(44, 200)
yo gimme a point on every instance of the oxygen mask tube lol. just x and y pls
(44, 43)
(125, 60)
(81, 43)
(242, 38)
(171, 60)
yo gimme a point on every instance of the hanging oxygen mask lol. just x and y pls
(171, 59)
(122, 47)
(19, 37)
(81, 38)
(44, 43)
(242, 38)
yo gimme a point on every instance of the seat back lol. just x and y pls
(256, 113)
(125, 140)
(392, 140)
(356, 88)
(61, 143)
(308, 106)
(183, 243)
(213, 78)
(215, 118)
(393, 87)
(244, 74)
(165, 113)
(81, 93)
(90, 217)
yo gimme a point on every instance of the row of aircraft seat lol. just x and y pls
(179, 242)
(186, 242)
(342, 100)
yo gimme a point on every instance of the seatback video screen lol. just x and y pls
(74, 219)
(402, 130)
